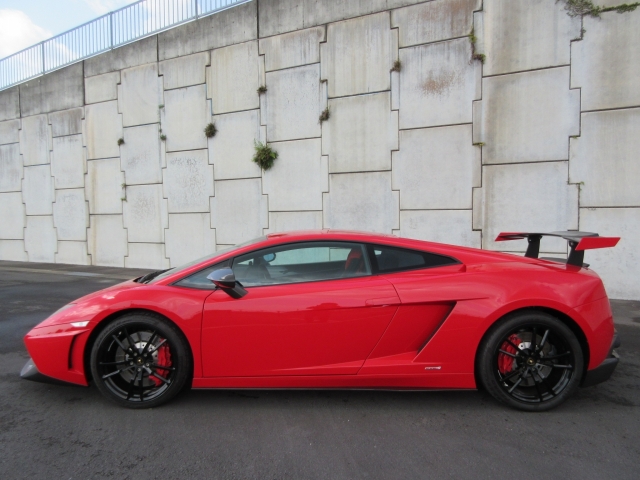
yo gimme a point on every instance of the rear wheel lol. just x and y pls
(530, 361)
(140, 361)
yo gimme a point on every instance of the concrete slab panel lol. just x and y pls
(131, 55)
(184, 117)
(35, 140)
(528, 116)
(527, 35)
(298, 177)
(184, 71)
(101, 88)
(37, 190)
(232, 149)
(146, 255)
(434, 21)
(604, 159)
(66, 122)
(71, 215)
(10, 103)
(140, 95)
(188, 181)
(68, 164)
(437, 84)
(13, 250)
(74, 253)
(361, 201)
(442, 226)
(434, 168)
(618, 267)
(145, 214)
(107, 240)
(293, 103)
(233, 78)
(357, 56)
(360, 133)
(528, 198)
(235, 25)
(104, 186)
(292, 49)
(103, 128)
(140, 155)
(59, 90)
(238, 211)
(288, 221)
(10, 168)
(40, 240)
(12, 216)
(606, 63)
(189, 237)
(9, 132)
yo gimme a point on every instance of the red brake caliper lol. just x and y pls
(164, 360)
(505, 362)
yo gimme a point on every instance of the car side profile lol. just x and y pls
(341, 310)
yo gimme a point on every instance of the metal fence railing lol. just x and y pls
(130, 23)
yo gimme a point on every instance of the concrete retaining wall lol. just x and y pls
(543, 136)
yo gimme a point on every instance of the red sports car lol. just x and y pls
(334, 309)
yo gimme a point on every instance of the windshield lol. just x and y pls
(218, 253)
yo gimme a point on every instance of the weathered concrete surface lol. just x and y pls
(233, 79)
(434, 21)
(40, 240)
(287, 221)
(146, 255)
(436, 168)
(37, 190)
(527, 117)
(101, 88)
(103, 128)
(188, 181)
(360, 133)
(10, 168)
(357, 55)
(10, 103)
(140, 155)
(131, 55)
(35, 140)
(229, 27)
(66, 122)
(104, 186)
(293, 103)
(13, 250)
(184, 118)
(231, 150)
(606, 63)
(361, 201)
(527, 35)
(442, 226)
(442, 96)
(68, 164)
(604, 159)
(71, 215)
(59, 90)
(292, 49)
(107, 240)
(73, 252)
(12, 212)
(188, 237)
(298, 177)
(9, 132)
(140, 95)
(184, 71)
(239, 211)
(145, 214)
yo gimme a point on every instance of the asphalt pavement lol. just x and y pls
(51, 432)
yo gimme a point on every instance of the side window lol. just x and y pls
(199, 279)
(393, 259)
(302, 262)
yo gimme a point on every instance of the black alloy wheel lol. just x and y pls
(531, 361)
(140, 361)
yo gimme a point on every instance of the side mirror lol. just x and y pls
(225, 279)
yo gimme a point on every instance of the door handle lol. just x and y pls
(380, 302)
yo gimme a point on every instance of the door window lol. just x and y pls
(302, 262)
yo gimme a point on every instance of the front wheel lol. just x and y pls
(140, 361)
(530, 361)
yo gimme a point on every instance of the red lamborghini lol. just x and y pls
(333, 309)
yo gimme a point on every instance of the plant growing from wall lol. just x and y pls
(262, 89)
(580, 8)
(210, 130)
(124, 197)
(163, 137)
(397, 66)
(325, 115)
(481, 57)
(264, 156)
(120, 141)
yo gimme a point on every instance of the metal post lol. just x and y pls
(42, 53)
(195, 6)
(111, 29)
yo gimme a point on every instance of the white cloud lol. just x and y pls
(104, 6)
(17, 31)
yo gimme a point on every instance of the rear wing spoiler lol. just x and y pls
(578, 243)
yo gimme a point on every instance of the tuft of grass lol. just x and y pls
(397, 66)
(163, 137)
(120, 141)
(325, 115)
(262, 89)
(264, 156)
(210, 130)
(581, 8)
(479, 144)
(480, 56)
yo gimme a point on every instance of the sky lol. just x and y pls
(26, 22)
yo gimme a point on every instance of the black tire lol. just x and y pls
(530, 361)
(140, 361)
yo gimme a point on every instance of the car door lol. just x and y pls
(312, 308)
